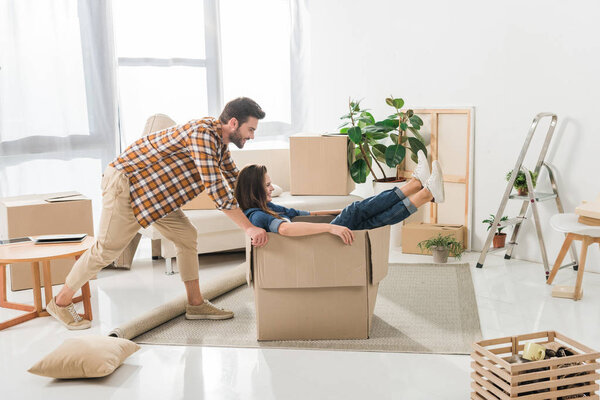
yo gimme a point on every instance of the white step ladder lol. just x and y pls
(531, 199)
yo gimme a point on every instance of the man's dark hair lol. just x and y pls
(241, 109)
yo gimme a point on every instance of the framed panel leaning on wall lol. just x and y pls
(450, 136)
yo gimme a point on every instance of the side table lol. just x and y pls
(36, 254)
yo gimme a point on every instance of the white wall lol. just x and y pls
(510, 60)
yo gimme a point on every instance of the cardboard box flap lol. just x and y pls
(309, 262)
(249, 255)
(35, 199)
(379, 244)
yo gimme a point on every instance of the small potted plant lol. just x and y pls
(499, 237)
(521, 182)
(442, 245)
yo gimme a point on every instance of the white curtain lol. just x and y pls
(58, 119)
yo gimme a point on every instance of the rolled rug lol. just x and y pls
(210, 290)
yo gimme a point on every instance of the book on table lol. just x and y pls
(52, 239)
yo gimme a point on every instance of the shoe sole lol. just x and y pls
(419, 178)
(443, 196)
(69, 327)
(213, 317)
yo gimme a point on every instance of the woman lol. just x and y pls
(253, 194)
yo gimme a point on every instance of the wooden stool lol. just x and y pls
(30, 252)
(567, 223)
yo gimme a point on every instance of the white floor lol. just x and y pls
(512, 298)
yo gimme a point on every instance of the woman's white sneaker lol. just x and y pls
(422, 171)
(435, 183)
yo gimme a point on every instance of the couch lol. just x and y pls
(218, 233)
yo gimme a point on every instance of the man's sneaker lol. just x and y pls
(67, 316)
(206, 311)
(435, 183)
(421, 171)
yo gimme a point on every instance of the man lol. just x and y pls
(149, 182)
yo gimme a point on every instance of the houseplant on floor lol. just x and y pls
(521, 182)
(442, 245)
(499, 237)
(368, 135)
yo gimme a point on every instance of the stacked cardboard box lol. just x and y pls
(44, 214)
(413, 233)
(316, 287)
(319, 165)
(589, 212)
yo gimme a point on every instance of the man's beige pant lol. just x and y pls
(118, 227)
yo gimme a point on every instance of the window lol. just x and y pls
(163, 61)
(186, 58)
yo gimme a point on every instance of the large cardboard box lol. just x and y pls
(44, 214)
(413, 233)
(319, 165)
(200, 202)
(316, 287)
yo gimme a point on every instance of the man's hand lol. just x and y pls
(344, 233)
(258, 235)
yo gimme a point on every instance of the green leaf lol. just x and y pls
(344, 130)
(398, 103)
(416, 133)
(410, 113)
(390, 102)
(378, 135)
(394, 137)
(379, 151)
(392, 123)
(416, 145)
(394, 155)
(355, 134)
(403, 126)
(359, 171)
(416, 121)
(404, 139)
(346, 116)
(393, 116)
(368, 117)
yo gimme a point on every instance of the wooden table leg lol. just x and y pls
(584, 246)
(561, 256)
(47, 281)
(37, 288)
(87, 305)
(2, 284)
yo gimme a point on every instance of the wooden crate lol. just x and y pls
(494, 378)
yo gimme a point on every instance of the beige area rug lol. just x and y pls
(421, 308)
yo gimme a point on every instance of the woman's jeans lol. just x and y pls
(387, 208)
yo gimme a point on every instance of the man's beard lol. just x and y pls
(236, 138)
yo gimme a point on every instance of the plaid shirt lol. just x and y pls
(168, 168)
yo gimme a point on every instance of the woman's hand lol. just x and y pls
(344, 233)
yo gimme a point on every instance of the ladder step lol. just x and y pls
(537, 196)
(511, 221)
(495, 249)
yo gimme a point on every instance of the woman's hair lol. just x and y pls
(250, 191)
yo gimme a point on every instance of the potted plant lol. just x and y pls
(521, 182)
(368, 134)
(499, 237)
(442, 245)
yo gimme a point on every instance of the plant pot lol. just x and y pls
(499, 240)
(440, 255)
(522, 191)
(381, 185)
